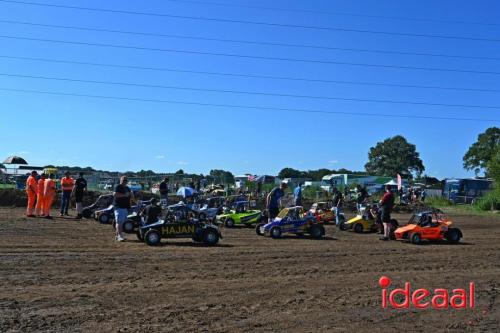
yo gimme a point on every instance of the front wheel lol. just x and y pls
(230, 223)
(358, 228)
(317, 231)
(152, 237)
(139, 235)
(342, 226)
(275, 232)
(453, 235)
(257, 229)
(104, 218)
(87, 213)
(211, 237)
(415, 238)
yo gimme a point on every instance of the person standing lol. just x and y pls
(122, 198)
(31, 191)
(297, 195)
(386, 205)
(79, 190)
(67, 184)
(362, 195)
(423, 195)
(273, 200)
(164, 192)
(49, 194)
(337, 204)
(40, 199)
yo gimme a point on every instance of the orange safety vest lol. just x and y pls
(50, 187)
(67, 183)
(31, 186)
(41, 186)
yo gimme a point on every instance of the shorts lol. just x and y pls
(273, 212)
(121, 215)
(386, 216)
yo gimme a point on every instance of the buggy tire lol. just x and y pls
(358, 228)
(275, 232)
(229, 223)
(317, 231)
(87, 213)
(453, 235)
(128, 227)
(139, 235)
(257, 229)
(415, 238)
(152, 237)
(202, 216)
(104, 218)
(210, 237)
(343, 226)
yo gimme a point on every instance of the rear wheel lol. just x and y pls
(210, 237)
(415, 238)
(317, 231)
(453, 236)
(152, 237)
(358, 228)
(104, 218)
(343, 226)
(275, 232)
(230, 223)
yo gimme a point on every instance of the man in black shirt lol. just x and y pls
(164, 191)
(337, 204)
(79, 189)
(122, 198)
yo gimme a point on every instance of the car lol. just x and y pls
(193, 228)
(366, 222)
(324, 213)
(292, 220)
(102, 201)
(429, 225)
(182, 211)
(239, 213)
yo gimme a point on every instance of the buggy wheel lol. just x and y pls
(229, 223)
(358, 228)
(453, 235)
(257, 229)
(104, 218)
(202, 216)
(415, 238)
(210, 237)
(343, 226)
(128, 227)
(275, 232)
(87, 213)
(152, 237)
(317, 231)
(139, 235)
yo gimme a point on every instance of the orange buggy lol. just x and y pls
(430, 225)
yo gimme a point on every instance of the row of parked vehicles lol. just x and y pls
(202, 222)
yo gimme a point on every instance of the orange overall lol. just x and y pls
(31, 189)
(40, 197)
(49, 195)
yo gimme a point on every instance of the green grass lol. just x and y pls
(7, 186)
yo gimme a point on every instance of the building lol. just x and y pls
(372, 183)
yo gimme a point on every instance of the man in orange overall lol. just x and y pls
(31, 190)
(67, 184)
(49, 195)
(39, 195)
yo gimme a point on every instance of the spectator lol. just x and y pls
(79, 190)
(337, 204)
(297, 195)
(423, 195)
(122, 198)
(67, 184)
(386, 205)
(361, 197)
(273, 199)
(164, 192)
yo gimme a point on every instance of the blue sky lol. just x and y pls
(132, 135)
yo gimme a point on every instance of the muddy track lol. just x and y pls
(67, 276)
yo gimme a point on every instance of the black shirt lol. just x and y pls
(163, 187)
(337, 199)
(123, 202)
(80, 185)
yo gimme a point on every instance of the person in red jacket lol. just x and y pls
(31, 190)
(39, 195)
(386, 204)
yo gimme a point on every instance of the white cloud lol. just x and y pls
(183, 163)
(333, 161)
(160, 157)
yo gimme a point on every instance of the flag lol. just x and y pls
(251, 178)
(399, 182)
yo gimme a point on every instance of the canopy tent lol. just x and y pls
(15, 160)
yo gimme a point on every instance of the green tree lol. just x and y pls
(179, 172)
(494, 167)
(222, 176)
(290, 173)
(394, 156)
(481, 152)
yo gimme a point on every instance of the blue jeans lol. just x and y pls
(65, 202)
(337, 211)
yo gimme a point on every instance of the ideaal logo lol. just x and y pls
(423, 298)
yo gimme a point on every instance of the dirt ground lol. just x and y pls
(67, 276)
